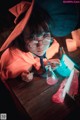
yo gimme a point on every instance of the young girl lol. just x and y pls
(28, 44)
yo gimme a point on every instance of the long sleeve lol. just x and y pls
(14, 62)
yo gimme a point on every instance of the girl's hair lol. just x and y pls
(38, 19)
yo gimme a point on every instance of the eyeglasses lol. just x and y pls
(44, 38)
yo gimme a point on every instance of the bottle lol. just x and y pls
(51, 77)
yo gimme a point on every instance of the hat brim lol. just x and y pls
(19, 28)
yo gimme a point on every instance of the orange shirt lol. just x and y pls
(14, 61)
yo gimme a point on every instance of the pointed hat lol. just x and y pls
(17, 10)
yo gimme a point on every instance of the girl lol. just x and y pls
(28, 43)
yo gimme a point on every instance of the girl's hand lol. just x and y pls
(27, 76)
(53, 62)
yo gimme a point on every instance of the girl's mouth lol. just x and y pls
(39, 50)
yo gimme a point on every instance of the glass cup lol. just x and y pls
(51, 76)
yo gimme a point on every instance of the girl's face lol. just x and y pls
(37, 43)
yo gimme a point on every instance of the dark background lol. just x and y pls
(60, 13)
(5, 15)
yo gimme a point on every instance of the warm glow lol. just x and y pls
(52, 50)
(71, 45)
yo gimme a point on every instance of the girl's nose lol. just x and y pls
(40, 43)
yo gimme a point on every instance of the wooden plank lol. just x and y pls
(41, 107)
(36, 98)
(27, 91)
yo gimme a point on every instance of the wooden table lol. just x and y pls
(36, 96)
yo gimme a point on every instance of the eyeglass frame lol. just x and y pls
(34, 38)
